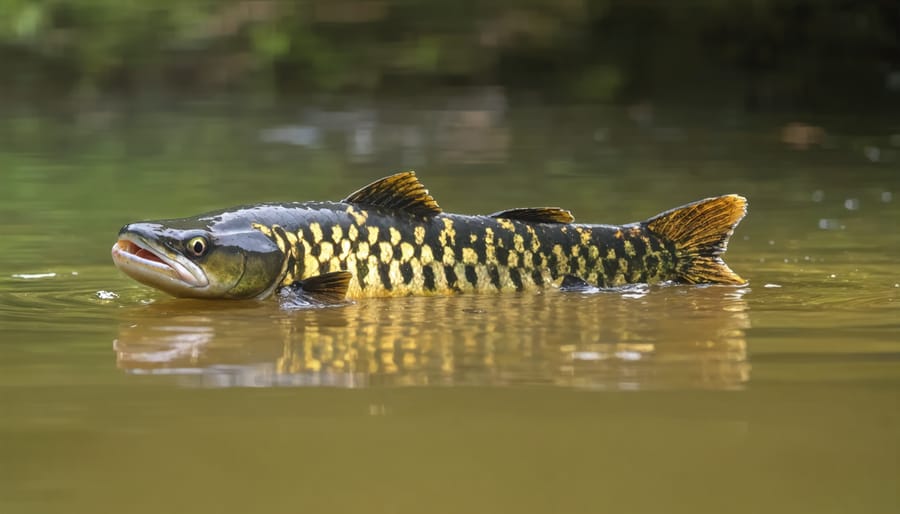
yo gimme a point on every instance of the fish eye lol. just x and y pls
(197, 246)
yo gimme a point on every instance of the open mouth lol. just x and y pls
(144, 264)
(135, 251)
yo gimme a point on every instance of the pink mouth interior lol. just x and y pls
(135, 250)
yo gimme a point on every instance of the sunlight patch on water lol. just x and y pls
(632, 291)
(33, 276)
(830, 224)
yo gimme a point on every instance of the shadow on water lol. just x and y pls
(673, 338)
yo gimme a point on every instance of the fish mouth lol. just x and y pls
(141, 261)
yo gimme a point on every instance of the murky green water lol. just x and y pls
(781, 396)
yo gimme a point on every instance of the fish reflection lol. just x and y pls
(671, 338)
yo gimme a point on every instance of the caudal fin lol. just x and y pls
(700, 233)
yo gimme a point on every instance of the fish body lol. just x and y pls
(391, 238)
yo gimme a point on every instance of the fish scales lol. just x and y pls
(391, 238)
(404, 255)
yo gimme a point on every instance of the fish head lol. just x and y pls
(200, 258)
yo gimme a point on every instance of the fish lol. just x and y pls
(391, 238)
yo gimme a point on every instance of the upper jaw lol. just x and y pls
(142, 260)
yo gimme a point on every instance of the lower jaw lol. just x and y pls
(167, 283)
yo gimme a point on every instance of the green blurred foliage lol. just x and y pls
(759, 53)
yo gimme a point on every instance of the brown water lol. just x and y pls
(781, 396)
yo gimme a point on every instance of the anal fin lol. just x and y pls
(536, 215)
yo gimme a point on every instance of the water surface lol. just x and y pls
(780, 396)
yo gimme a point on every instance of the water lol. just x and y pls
(781, 396)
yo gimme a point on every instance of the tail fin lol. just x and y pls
(700, 233)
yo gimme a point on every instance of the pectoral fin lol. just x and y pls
(571, 283)
(326, 288)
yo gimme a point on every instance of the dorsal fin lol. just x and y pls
(536, 215)
(401, 191)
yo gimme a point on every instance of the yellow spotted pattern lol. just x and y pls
(447, 254)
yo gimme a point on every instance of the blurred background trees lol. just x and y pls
(750, 54)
